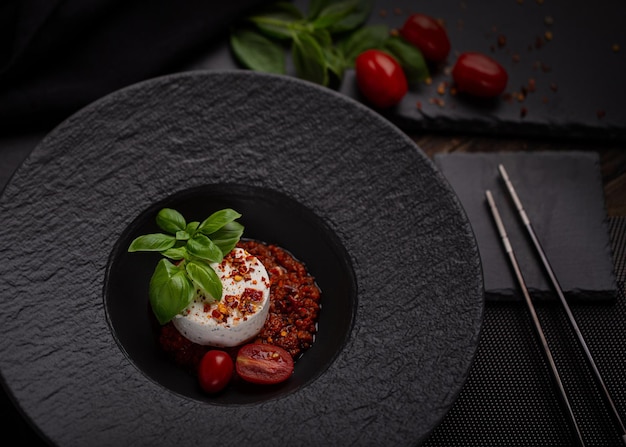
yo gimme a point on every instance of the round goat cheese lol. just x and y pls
(240, 313)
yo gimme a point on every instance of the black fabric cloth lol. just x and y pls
(57, 56)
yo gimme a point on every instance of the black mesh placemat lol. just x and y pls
(509, 399)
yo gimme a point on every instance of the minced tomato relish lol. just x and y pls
(292, 319)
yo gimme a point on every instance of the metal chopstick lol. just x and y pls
(557, 287)
(531, 309)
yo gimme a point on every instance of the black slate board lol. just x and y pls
(578, 76)
(562, 195)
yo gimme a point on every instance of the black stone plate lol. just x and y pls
(391, 220)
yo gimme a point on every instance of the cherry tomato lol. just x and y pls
(263, 364)
(380, 78)
(215, 371)
(479, 75)
(428, 35)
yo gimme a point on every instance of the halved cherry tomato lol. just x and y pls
(479, 75)
(263, 364)
(380, 78)
(215, 371)
(428, 35)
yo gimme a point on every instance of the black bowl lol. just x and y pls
(268, 216)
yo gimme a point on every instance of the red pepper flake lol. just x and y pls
(601, 113)
(397, 11)
(394, 32)
(437, 101)
(531, 85)
(441, 88)
(383, 13)
(501, 40)
(515, 58)
(548, 35)
(553, 86)
(523, 112)
(545, 100)
(418, 104)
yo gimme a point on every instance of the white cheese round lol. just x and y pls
(240, 313)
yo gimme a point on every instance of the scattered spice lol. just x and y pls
(548, 35)
(601, 114)
(523, 112)
(441, 88)
(548, 20)
(501, 40)
(615, 47)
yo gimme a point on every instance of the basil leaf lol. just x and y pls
(192, 227)
(366, 38)
(308, 58)
(205, 277)
(182, 235)
(176, 253)
(355, 18)
(202, 247)
(152, 242)
(217, 220)
(170, 291)
(257, 52)
(227, 237)
(315, 7)
(170, 220)
(334, 12)
(410, 58)
(335, 61)
(278, 20)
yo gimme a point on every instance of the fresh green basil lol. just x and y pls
(257, 52)
(217, 220)
(194, 246)
(200, 246)
(152, 242)
(410, 58)
(206, 278)
(278, 20)
(324, 42)
(365, 38)
(170, 291)
(170, 220)
(308, 58)
(227, 237)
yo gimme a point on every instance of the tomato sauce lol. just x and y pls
(294, 309)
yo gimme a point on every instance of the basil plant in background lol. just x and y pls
(194, 246)
(324, 42)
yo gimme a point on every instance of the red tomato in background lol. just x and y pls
(479, 75)
(428, 35)
(263, 364)
(215, 371)
(380, 78)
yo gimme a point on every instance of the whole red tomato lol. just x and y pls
(428, 35)
(215, 371)
(380, 78)
(264, 364)
(479, 75)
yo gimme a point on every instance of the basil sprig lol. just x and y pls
(323, 43)
(194, 246)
